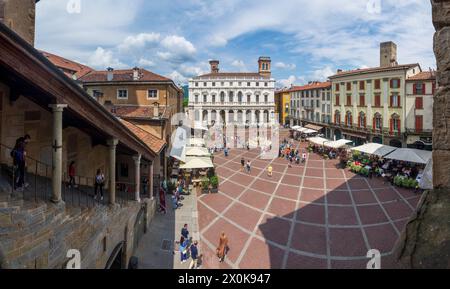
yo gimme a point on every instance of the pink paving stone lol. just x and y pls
(282, 207)
(334, 173)
(341, 216)
(274, 229)
(350, 175)
(377, 183)
(224, 173)
(336, 184)
(406, 193)
(205, 215)
(347, 242)
(255, 199)
(236, 237)
(312, 196)
(218, 202)
(264, 186)
(286, 191)
(363, 197)
(349, 264)
(311, 213)
(358, 184)
(255, 172)
(398, 210)
(234, 166)
(279, 168)
(315, 164)
(414, 201)
(386, 195)
(231, 189)
(241, 178)
(244, 216)
(401, 224)
(311, 172)
(296, 261)
(311, 239)
(292, 180)
(332, 164)
(338, 198)
(382, 237)
(314, 183)
(261, 255)
(259, 164)
(371, 214)
(276, 177)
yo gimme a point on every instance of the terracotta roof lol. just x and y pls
(374, 69)
(124, 75)
(154, 143)
(426, 75)
(224, 75)
(75, 68)
(132, 111)
(313, 85)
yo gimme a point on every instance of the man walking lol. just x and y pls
(185, 232)
(194, 256)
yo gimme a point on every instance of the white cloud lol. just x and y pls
(282, 65)
(287, 82)
(146, 62)
(322, 74)
(178, 49)
(101, 59)
(240, 65)
(139, 41)
(177, 77)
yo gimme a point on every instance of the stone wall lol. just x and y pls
(441, 122)
(19, 16)
(40, 237)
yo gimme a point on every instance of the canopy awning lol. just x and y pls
(306, 130)
(313, 127)
(197, 163)
(338, 143)
(318, 140)
(375, 149)
(410, 155)
(352, 134)
(196, 142)
(197, 151)
(296, 127)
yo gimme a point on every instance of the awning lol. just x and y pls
(197, 163)
(306, 130)
(338, 143)
(196, 142)
(350, 134)
(318, 140)
(296, 127)
(197, 151)
(375, 149)
(314, 127)
(410, 155)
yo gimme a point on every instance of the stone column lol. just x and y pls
(137, 176)
(235, 116)
(209, 116)
(150, 180)
(244, 117)
(226, 117)
(57, 151)
(112, 144)
(261, 116)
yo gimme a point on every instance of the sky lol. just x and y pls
(306, 40)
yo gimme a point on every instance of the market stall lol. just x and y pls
(410, 155)
(374, 149)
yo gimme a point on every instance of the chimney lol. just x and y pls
(339, 70)
(388, 54)
(214, 66)
(19, 16)
(264, 66)
(136, 73)
(110, 74)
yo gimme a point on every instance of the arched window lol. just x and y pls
(377, 122)
(337, 117)
(257, 99)
(240, 97)
(230, 97)
(348, 118)
(362, 120)
(222, 97)
(266, 98)
(196, 98)
(395, 124)
(205, 98)
(249, 98)
(213, 98)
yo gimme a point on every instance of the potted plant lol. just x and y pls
(214, 184)
(205, 184)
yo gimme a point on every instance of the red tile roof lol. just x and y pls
(154, 143)
(374, 69)
(69, 67)
(224, 75)
(426, 75)
(124, 75)
(313, 85)
(134, 111)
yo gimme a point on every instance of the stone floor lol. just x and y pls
(312, 215)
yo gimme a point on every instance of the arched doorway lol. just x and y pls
(222, 116)
(266, 116)
(257, 116)
(115, 260)
(240, 116)
(377, 139)
(205, 116)
(230, 117)
(395, 143)
(338, 134)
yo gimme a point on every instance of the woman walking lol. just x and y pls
(223, 247)
(99, 183)
(72, 175)
(183, 249)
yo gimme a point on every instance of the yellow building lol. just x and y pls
(282, 105)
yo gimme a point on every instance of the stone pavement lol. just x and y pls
(155, 250)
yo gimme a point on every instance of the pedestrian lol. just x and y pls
(269, 171)
(18, 154)
(162, 201)
(183, 250)
(242, 164)
(303, 157)
(249, 166)
(225, 151)
(222, 249)
(185, 232)
(99, 183)
(194, 256)
(290, 161)
(72, 174)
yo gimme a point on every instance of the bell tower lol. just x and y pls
(264, 66)
(19, 16)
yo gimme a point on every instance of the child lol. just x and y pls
(269, 171)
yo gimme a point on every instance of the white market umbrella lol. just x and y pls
(375, 149)
(197, 163)
(338, 143)
(410, 155)
(197, 152)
